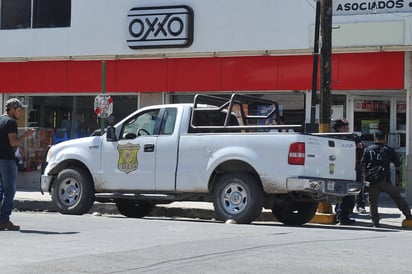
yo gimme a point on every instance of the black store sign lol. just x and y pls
(160, 27)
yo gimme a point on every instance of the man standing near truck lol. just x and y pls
(8, 167)
(375, 161)
(345, 208)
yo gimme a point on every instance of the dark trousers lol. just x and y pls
(360, 198)
(383, 186)
(344, 209)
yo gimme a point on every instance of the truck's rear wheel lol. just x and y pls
(134, 209)
(238, 196)
(73, 192)
(295, 213)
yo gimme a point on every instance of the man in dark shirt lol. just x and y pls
(8, 167)
(379, 154)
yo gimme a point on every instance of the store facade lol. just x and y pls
(56, 68)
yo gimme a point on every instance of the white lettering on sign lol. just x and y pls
(401, 107)
(351, 7)
(371, 106)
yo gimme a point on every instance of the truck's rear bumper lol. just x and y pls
(323, 186)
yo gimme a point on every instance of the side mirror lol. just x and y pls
(111, 134)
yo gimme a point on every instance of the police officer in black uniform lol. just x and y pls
(379, 154)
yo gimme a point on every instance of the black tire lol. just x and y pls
(238, 196)
(295, 213)
(73, 192)
(133, 209)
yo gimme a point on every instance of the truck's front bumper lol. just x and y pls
(338, 188)
(45, 182)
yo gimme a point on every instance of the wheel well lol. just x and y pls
(229, 167)
(70, 164)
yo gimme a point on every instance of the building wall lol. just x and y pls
(238, 45)
(231, 27)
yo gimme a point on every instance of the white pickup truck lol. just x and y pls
(217, 149)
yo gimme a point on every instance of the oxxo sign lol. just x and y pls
(160, 27)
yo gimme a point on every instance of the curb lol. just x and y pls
(158, 211)
(28, 205)
(392, 219)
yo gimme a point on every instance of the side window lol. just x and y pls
(15, 14)
(168, 122)
(143, 124)
(19, 14)
(51, 13)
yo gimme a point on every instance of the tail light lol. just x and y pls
(296, 154)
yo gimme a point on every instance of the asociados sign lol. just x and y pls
(352, 7)
(160, 27)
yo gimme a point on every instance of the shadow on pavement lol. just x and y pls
(46, 232)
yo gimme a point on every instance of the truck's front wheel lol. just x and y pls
(73, 192)
(238, 196)
(295, 213)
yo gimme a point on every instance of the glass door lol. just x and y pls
(387, 114)
(371, 115)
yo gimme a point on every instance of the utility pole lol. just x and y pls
(324, 213)
(312, 127)
(325, 66)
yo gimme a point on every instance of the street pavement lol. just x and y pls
(31, 199)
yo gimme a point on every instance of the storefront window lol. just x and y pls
(291, 104)
(338, 106)
(370, 116)
(401, 115)
(61, 118)
(399, 142)
(401, 122)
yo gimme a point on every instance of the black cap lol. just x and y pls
(379, 135)
(340, 123)
(14, 103)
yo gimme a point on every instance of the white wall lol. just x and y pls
(99, 27)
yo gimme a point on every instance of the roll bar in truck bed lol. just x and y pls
(218, 113)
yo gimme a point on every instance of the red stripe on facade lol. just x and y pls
(365, 71)
(354, 71)
(137, 75)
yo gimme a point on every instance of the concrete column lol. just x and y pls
(408, 86)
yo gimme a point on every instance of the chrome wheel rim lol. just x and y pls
(69, 192)
(234, 198)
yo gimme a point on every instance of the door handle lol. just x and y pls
(148, 148)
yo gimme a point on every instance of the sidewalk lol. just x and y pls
(30, 199)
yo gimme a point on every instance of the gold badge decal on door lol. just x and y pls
(331, 168)
(128, 157)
